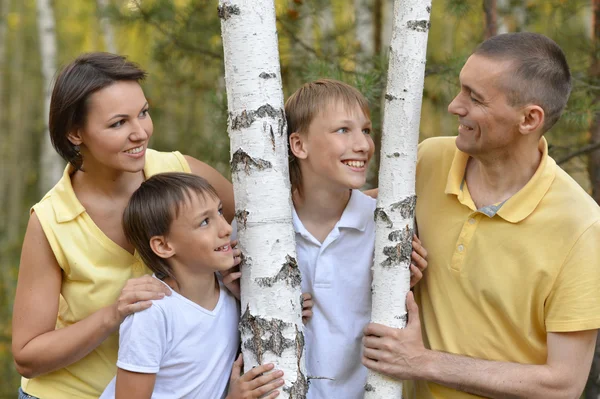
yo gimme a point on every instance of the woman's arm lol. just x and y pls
(37, 347)
(222, 185)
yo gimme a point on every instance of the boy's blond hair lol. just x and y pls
(306, 103)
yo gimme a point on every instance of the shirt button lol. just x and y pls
(461, 248)
(471, 221)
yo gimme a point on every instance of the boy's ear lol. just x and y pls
(298, 146)
(161, 247)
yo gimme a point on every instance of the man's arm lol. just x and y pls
(132, 385)
(401, 354)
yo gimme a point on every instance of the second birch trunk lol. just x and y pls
(396, 201)
(51, 165)
(271, 323)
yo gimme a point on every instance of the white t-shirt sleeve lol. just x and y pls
(143, 340)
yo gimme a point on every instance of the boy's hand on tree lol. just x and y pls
(231, 277)
(307, 305)
(395, 352)
(419, 261)
(254, 384)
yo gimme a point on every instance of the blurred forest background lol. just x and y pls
(179, 43)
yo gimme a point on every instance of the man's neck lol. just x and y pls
(320, 209)
(495, 178)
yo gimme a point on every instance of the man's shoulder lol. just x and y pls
(439, 144)
(577, 204)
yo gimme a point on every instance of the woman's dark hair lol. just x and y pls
(74, 85)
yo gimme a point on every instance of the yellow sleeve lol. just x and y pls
(574, 302)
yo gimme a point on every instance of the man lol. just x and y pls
(510, 303)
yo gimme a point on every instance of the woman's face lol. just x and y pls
(117, 129)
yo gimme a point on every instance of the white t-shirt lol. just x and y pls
(338, 275)
(190, 349)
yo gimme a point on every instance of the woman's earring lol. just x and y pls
(76, 148)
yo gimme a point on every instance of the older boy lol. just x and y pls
(329, 131)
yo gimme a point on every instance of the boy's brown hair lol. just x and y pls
(153, 207)
(306, 103)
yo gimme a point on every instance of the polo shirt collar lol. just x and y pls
(353, 217)
(521, 204)
(64, 201)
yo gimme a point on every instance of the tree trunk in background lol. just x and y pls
(592, 388)
(271, 323)
(328, 41)
(396, 201)
(491, 17)
(364, 27)
(4, 147)
(387, 21)
(51, 165)
(107, 30)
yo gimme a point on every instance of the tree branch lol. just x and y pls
(581, 151)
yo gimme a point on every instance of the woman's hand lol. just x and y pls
(136, 296)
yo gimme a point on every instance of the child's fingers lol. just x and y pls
(256, 371)
(266, 383)
(236, 370)
(307, 313)
(306, 296)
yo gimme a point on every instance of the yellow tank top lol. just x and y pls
(95, 270)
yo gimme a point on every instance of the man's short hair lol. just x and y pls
(153, 207)
(306, 103)
(540, 72)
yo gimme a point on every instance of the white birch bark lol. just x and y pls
(51, 165)
(107, 30)
(271, 323)
(396, 200)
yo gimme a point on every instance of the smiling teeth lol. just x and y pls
(223, 248)
(466, 127)
(135, 150)
(355, 164)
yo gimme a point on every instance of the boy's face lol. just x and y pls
(337, 148)
(200, 235)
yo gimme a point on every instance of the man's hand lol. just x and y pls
(399, 353)
(419, 261)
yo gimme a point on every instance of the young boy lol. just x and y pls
(329, 131)
(184, 346)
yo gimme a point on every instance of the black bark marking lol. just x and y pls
(226, 11)
(369, 388)
(399, 253)
(403, 318)
(265, 75)
(245, 261)
(381, 215)
(428, 8)
(406, 206)
(247, 118)
(242, 161)
(299, 388)
(289, 273)
(242, 217)
(394, 155)
(258, 327)
(272, 137)
(419, 26)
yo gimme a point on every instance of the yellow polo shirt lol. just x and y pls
(501, 277)
(95, 270)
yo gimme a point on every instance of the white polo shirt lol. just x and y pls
(338, 275)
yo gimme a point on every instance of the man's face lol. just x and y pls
(488, 123)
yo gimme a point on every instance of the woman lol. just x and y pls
(78, 276)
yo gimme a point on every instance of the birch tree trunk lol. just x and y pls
(107, 30)
(396, 201)
(51, 165)
(271, 322)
